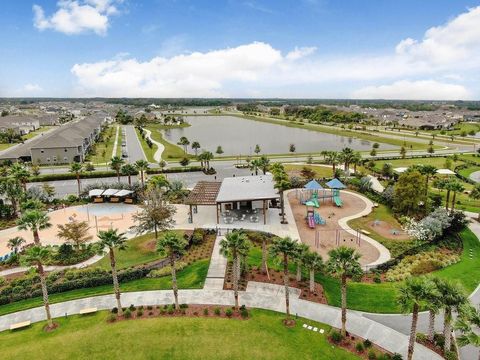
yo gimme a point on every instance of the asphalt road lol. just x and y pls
(134, 148)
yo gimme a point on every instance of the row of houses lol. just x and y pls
(23, 124)
(66, 144)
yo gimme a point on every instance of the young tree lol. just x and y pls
(409, 196)
(456, 187)
(172, 245)
(74, 232)
(257, 149)
(34, 220)
(254, 165)
(142, 166)
(314, 263)
(37, 256)
(129, 170)
(162, 164)
(77, 169)
(333, 158)
(48, 190)
(433, 304)
(307, 173)
(343, 263)
(111, 240)
(156, 214)
(195, 147)
(475, 194)
(413, 295)
(219, 150)
(292, 148)
(116, 164)
(347, 155)
(12, 190)
(15, 243)
(403, 152)
(285, 248)
(235, 245)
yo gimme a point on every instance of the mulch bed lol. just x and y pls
(276, 277)
(195, 310)
(432, 346)
(350, 341)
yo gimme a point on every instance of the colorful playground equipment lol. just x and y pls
(313, 193)
(314, 218)
(336, 185)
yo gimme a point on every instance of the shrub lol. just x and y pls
(371, 354)
(336, 336)
(367, 343)
(163, 311)
(397, 356)
(421, 337)
(132, 307)
(166, 270)
(377, 279)
(140, 312)
(149, 307)
(170, 309)
(127, 314)
(450, 355)
(114, 310)
(197, 236)
(229, 312)
(111, 318)
(359, 347)
(205, 311)
(244, 313)
(217, 311)
(183, 306)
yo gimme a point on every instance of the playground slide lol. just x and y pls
(337, 201)
(311, 221)
(315, 202)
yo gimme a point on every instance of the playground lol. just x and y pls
(99, 217)
(317, 211)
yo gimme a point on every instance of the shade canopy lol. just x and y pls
(335, 184)
(95, 192)
(313, 185)
(110, 192)
(122, 193)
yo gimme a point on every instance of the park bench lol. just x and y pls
(20, 325)
(88, 311)
(365, 232)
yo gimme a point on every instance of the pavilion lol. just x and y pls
(235, 197)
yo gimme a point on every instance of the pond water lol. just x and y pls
(238, 136)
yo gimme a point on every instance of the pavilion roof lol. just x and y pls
(204, 193)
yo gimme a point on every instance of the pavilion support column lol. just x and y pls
(191, 214)
(218, 215)
(264, 213)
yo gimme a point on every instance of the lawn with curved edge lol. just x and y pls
(263, 336)
(191, 277)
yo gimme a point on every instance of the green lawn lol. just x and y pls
(119, 143)
(438, 162)
(464, 202)
(90, 337)
(5, 146)
(471, 157)
(320, 171)
(469, 170)
(171, 151)
(106, 146)
(459, 128)
(191, 277)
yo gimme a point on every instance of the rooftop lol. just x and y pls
(243, 188)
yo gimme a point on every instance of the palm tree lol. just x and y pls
(264, 164)
(413, 295)
(116, 164)
(34, 220)
(142, 166)
(343, 262)
(333, 159)
(15, 243)
(13, 191)
(475, 194)
(347, 155)
(162, 164)
(128, 170)
(467, 322)
(77, 169)
(456, 187)
(37, 256)
(20, 173)
(195, 147)
(254, 165)
(286, 248)
(313, 263)
(427, 171)
(172, 245)
(283, 184)
(112, 240)
(235, 245)
(453, 299)
(184, 142)
(434, 304)
(356, 160)
(302, 250)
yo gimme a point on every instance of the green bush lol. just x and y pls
(170, 309)
(198, 236)
(367, 343)
(114, 310)
(450, 355)
(244, 313)
(217, 311)
(359, 347)
(397, 356)
(127, 314)
(229, 312)
(111, 318)
(421, 337)
(183, 306)
(336, 336)
(205, 311)
(371, 354)
(140, 313)
(166, 270)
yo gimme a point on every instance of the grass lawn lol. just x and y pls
(469, 170)
(191, 277)
(91, 337)
(140, 250)
(119, 144)
(5, 146)
(320, 171)
(471, 157)
(438, 162)
(459, 128)
(149, 151)
(106, 146)
(464, 202)
(36, 132)
(171, 151)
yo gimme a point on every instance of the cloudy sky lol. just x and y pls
(409, 49)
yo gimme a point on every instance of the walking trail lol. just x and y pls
(158, 154)
(115, 144)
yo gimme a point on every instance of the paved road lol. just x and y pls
(134, 148)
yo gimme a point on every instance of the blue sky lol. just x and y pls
(276, 48)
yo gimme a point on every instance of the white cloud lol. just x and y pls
(413, 90)
(449, 53)
(77, 16)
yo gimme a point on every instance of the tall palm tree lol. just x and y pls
(235, 245)
(428, 171)
(413, 295)
(453, 299)
(475, 194)
(34, 220)
(285, 248)
(142, 166)
(173, 246)
(111, 240)
(302, 250)
(264, 164)
(343, 262)
(13, 190)
(77, 169)
(37, 256)
(282, 184)
(347, 156)
(116, 164)
(467, 322)
(15, 243)
(195, 147)
(434, 304)
(254, 165)
(456, 187)
(20, 173)
(357, 160)
(128, 170)
(313, 263)
(333, 158)
(184, 142)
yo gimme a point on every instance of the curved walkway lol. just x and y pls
(475, 176)
(158, 154)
